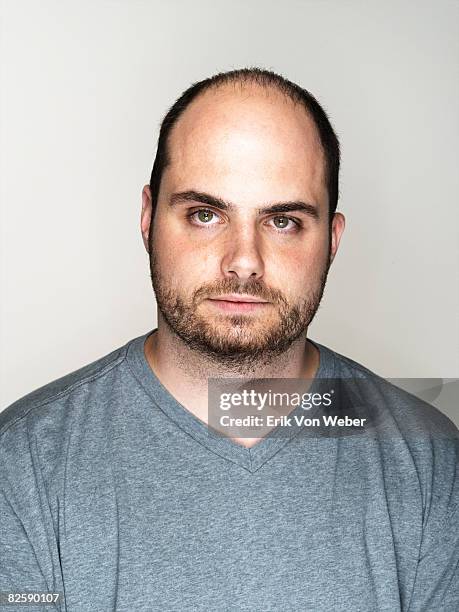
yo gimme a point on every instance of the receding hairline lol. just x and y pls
(255, 84)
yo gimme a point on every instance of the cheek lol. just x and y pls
(186, 263)
(310, 244)
(298, 267)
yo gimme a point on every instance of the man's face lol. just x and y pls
(236, 152)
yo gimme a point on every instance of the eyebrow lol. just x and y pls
(280, 207)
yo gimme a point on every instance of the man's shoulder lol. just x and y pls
(51, 398)
(403, 410)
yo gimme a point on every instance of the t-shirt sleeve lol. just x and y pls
(29, 556)
(436, 586)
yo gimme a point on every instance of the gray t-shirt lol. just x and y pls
(118, 498)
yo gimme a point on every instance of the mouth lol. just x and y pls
(235, 297)
(238, 303)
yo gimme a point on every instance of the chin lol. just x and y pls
(238, 331)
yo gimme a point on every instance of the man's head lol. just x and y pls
(242, 200)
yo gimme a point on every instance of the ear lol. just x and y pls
(338, 224)
(145, 218)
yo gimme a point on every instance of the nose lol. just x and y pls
(242, 256)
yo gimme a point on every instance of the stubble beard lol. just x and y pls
(236, 341)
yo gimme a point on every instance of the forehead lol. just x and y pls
(247, 143)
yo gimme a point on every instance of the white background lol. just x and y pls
(84, 85)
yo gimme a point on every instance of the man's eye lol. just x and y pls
(203, 216)
(281, 222)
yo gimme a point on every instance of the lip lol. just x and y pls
(238, 304)
(234, 297)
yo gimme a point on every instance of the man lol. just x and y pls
(116, 493)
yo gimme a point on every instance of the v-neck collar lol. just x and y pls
(251, 459)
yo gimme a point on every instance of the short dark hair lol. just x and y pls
(265, 78)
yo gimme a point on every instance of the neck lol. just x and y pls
(184, 372)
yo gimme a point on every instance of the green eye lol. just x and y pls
(205, 215)
(202, 217)
(283, 222)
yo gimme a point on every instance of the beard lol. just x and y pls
(237, 341)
